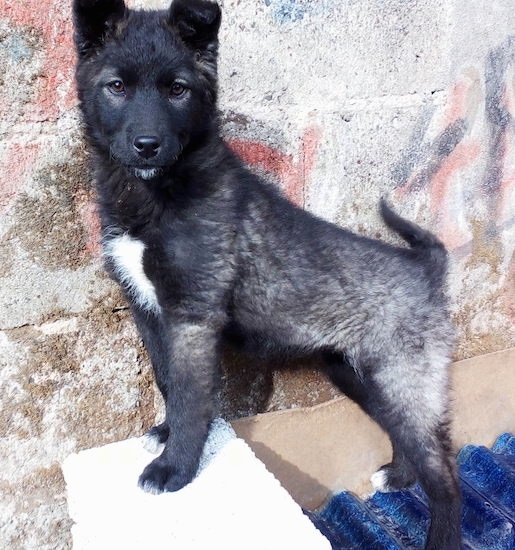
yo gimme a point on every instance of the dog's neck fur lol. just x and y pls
(130, 203)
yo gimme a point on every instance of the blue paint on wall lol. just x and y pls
(288, 11)
(292, 11)
(16, 47)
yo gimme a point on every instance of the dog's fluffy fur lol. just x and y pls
(205, 250)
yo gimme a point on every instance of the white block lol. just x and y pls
(233, 503)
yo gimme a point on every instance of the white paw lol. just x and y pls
(149, 488)
(379, 482)
(151, 444)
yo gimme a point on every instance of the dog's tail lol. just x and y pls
(430, 249)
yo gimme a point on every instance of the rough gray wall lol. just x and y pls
(339, 101)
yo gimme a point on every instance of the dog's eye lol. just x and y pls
(177, 90)
(117, 87)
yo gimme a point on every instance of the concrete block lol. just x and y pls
(233, 503)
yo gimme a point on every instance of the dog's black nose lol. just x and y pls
(147, 146)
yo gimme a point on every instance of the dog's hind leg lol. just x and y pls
(412, 408)
(349, 380)
(437, 473)
(428, 450)
(395, 475)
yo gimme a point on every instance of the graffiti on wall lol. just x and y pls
(37, 85)
(475, 134)
(462, 157)
(289, 10)
(292, 11)
(54, 92)
(291, 171)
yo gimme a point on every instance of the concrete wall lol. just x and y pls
(340, 101)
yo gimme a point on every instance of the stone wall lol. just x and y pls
(340, 102)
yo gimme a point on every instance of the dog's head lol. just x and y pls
(146, 81)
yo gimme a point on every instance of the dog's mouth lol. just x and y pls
(146, 174)
(146, 167)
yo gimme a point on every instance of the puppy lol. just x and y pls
(203, 248)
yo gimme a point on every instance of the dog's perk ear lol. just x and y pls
(197, 22)
(94, 21)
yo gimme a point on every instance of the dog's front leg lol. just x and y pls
(190, 386)
(153, 331)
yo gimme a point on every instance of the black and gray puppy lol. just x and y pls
(203, 248)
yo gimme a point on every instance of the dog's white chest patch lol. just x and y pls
(126, 253)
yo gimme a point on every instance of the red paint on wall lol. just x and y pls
(15, 167)
(461, 156)
(441, 204)
(259, 154)
(292, 171)
(88, 214)
(458, 103)
(55, 85)
(309, 148)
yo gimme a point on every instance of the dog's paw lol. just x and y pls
(391, 478)
(160, 477)
(155, 438)
(379, 481)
